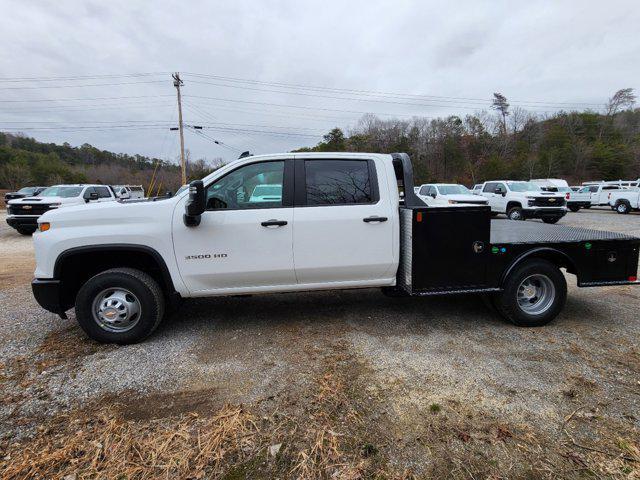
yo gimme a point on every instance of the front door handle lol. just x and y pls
(375, 219)
(274, 223)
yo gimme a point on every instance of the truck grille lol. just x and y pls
(28, 209)
(548, 202)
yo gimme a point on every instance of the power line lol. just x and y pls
(376, 93)
(84, 85)
(83, 99)
(80, 77)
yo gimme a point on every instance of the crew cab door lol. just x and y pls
(344, 223)
(243, 242)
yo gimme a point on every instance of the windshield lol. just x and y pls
(523, 187)
(64, 192)
(27, 190)
(264, 190)
(564, 189)
(453, 189)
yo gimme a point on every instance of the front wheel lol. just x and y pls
(121, 305)
(623, 208)
(534, 294)
(574, 208)
(551, 219)
(515, 213)
(26, 230)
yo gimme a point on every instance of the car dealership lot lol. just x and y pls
(425, 386)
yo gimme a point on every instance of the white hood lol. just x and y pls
(461, 197)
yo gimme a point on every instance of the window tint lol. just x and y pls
(490, 187)
(103, 192)
(424, 190)
(88, 192)
(338, 182)
(593, 189)
(258, 185)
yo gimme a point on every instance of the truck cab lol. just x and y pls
(338, 223)
(521, 200)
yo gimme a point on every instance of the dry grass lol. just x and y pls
(109, 447)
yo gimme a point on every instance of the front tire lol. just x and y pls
(534, 294)
(515, 213)
(26, 230)
(551, 219)
(573, 208)
(121, 305)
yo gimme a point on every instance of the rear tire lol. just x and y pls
(551, 219)
(534, 294)
(573, 208)
(622, 207)
(26, 230)
(515, 213)
(121, 305)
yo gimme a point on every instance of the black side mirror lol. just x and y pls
(433, 195)
(195, 205)
(500, 191)
(92, 196)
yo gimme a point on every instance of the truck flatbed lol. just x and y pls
(510, 232)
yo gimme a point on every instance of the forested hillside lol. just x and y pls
(25, 161)
(507, 143)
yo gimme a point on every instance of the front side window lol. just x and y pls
(103, 192)
(490, 187)
(424, 190)
(258, 185)
(338, 182)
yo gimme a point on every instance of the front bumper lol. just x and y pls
(15, 221)
(544, 212)
(48, 294)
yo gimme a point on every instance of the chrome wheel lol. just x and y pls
(515, 215)
(536, 294)
(622, 208)
(116, 310)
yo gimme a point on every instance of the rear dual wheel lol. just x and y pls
(533, 295)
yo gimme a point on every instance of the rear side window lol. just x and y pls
(490, 187)
(338, 182)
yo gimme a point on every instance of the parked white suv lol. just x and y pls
(521, 200)
(23, 213)
(446, 194)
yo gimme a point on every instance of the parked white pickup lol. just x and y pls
(448, 194)
(625, 201)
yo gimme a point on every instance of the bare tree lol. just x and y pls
(623, 99)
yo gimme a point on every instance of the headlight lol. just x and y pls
(54, 205)
(44, 226)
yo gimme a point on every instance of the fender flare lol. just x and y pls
(539, 252)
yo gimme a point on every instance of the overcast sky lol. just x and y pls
(436, 58)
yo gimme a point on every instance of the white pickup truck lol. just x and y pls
(23, 213)
(522, 200)
(337, 222)
(448, 194)
(625, 201)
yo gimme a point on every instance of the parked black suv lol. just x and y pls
(22, 193)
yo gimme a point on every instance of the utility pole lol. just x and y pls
(178, 83)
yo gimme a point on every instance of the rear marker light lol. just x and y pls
(633, 278)
(43, 227)
(419, 217)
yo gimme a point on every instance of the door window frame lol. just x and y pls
(300, 184)
(287, 186)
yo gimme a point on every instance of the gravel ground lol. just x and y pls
(269, 350)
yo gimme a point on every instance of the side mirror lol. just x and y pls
(500, 191)
(195, 204)
(433, 195)
(92, 196)
(125, 195)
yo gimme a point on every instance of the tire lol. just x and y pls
(574, 208)
(551, 219)
(26, 230)
(622, 208)
(587, 207)
(546, 280)
(515, 213)
(108, 291)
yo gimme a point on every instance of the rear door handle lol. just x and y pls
(274, 223)
(375, 219)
